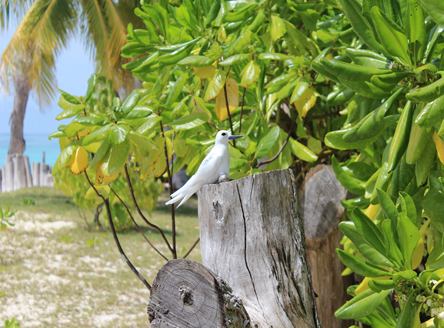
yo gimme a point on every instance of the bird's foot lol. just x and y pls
(224, 178)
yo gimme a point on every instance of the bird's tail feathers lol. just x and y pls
(190, 193)
(186, 186)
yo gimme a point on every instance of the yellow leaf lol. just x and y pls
(428, 323)
(81, 134)
(364, 284)
(418, 254)
(329, 56)
(79, 161)
(205, 72)
(439, 146)
(102, 178)
(233, 100)
(372, 211)
(305, 103)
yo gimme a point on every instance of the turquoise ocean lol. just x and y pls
(36, 144)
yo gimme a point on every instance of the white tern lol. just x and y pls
(214, 166)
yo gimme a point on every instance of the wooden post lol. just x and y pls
(19, 173)
(8, 174)
(35, 174)
(1, 178)
(27, 171)
(185, 294)
(44, 170)
(253, 238)
(320, 198)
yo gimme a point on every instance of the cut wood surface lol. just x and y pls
(185, 294)
(253, 238)
(320, 198)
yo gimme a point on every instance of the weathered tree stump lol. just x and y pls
(320, 198)
(253, 238)
(185, 294)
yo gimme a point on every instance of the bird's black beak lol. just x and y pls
(234, 137)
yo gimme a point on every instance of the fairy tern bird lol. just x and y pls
(214, 166)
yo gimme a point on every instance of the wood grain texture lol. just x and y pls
(185, 294)
(252, 237)
(320, 197)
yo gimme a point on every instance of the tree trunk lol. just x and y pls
(21, 93)
(320, 197)
(253, 238)
(185, 294)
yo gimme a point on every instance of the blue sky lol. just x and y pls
(73, 69)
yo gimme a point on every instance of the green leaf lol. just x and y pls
(233, 60)
(361, 25)
(92, 81)
(196, 61)
(215, 86)
(301, 151)
(435, 9)
(142, 142)
(64, 158)
(101, 152)
(187, 17)
(250, 74)
(70, 112)
(116, 158)
(130, 102)
(408, 207)
(150, 122)
(189, 121)
(267, 142)
(278, 27)
(409, 317)
(433, 201)
(335, 139)
(347, 181)
(90, 120)
(118, 133)
(408, 236)
(363, 246)
(392, 37)
(272, 56)
(176, 90)
(361, 305)
(97, 135)
(368, 230)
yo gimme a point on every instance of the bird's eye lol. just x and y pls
(224, 134)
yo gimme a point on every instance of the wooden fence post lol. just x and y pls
(19, 172)
(27, 171)
(320, 198)
(253, 238)
(35, 174)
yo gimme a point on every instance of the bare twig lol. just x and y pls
(170, 183)
(323, 116)
(228, 107)
(140, 212)
(192, 247)
(242, 109)
(283, 146)
(302, 172)
(135, 223)
(116, 239)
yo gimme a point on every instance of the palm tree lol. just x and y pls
(28, 62)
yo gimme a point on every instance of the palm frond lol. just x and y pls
(34, 47)
(12, 9)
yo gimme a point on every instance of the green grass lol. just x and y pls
(75, 277)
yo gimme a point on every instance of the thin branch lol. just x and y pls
(302, 172)
(229, 114)
(135, 223)
(283, 146)
(140, 212)
(242, 109)
(192, 247)
(170, 182)
(116, 239)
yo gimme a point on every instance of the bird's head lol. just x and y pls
(224, 136)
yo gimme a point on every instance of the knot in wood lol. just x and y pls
(218, 212)
(186, 295)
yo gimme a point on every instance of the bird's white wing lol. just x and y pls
(204, 175)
